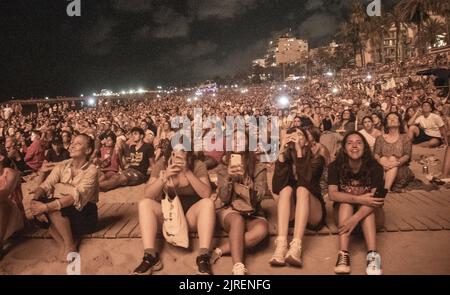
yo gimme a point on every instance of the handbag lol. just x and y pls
(175, 228)
(243, 199)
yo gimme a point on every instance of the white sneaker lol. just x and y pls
(239, 269)
(279, 255)
(373, 264)
(294, 255)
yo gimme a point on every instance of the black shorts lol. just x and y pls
(423, 137)
(81, 222)
(134, 177)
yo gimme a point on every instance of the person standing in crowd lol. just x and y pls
(429, 130)
(181, 174)
(393, 151)
(353, 179)
(246, 229)
(369, 132)
(66, 139)
(297, 182)
(12, 214)
(377, 120)
(66, 202)
(346, 124)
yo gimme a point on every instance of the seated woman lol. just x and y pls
(109, 161)
(353, 179)
(71, 210)
(369, 132)
(183, 174)
(246, 228)
(35, 154)
(12, 214)
(429, 130)
(297, 182)
(393, 151)
(346, 124)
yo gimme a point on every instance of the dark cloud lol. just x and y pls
(318, 26)
(235, 61)
(99, 39)
(170, 24)
(220, 9)
(134, 6)
(196, 50)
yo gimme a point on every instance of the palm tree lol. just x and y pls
(431, 29)
(417, 12)
(358, 19)
(394, 17)
(442, 7)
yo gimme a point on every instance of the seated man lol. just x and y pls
(34, 156)
(56, 154)
(15, 156)
(66, 202)
(140, 155)
(429, 130)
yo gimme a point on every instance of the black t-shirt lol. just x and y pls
(54, 158)
(139, 159)
(356, 185)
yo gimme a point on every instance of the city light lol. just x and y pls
(81, 95)
(195, 98)
(131, 91)
(303, 77)
(298, 88)
(369, 77)
(94, 94)
(123, 92)
(335, 90)
(329, 74)
(91, 101)
(189, 100)
(141, 90)
(46, 98)
(159, 87)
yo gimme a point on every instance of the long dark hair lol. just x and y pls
(343, 161)
(291, 154)
(249, 159)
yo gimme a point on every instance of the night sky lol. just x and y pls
(123, 44)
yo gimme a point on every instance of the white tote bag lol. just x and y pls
(175, 228)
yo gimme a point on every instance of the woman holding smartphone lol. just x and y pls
(297, 182)
(242, 176)
(353, 179)
(179, 173)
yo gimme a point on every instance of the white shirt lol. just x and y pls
(431, 124)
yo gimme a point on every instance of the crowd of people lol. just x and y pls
(354, 133)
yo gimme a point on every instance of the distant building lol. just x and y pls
(259, 62)
(287, 49)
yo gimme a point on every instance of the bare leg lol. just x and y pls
(235, 226)
(368, 226)
(345, 212)
(431, 143)
(150, 219)
(114, 182)
(308, 209)
(5, 209)
(202, 217)
(413, 132)
(446, 171)
(284, 211)
(257, 230)
(62, 226)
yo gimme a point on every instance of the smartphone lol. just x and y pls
(236, 160)
(381, 193)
